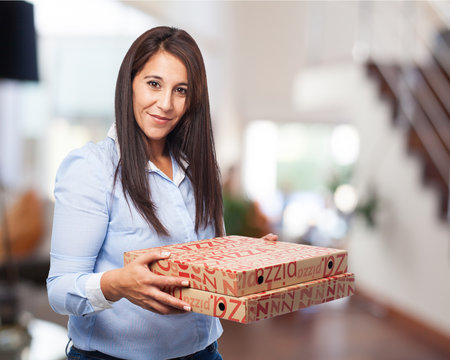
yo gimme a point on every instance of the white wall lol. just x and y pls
(405, 260)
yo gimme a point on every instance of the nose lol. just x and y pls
(165, 100)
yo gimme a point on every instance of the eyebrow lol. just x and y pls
(160, 78)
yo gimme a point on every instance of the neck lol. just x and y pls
(159, 155)
(157, 150)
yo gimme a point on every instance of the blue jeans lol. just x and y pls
(210, 353)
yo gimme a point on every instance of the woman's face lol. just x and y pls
(159, 95)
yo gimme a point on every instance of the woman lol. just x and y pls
(153, 181)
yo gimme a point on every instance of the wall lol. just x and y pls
(405, 260)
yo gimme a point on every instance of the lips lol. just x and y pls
(160, 118)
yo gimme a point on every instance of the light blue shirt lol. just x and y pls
(92, 227)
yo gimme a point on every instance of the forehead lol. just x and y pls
(165, 65)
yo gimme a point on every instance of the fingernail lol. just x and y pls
(165, 253)
(187, 308)
(185, 283)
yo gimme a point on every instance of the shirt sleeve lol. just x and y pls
(80, 224)
(95, 295)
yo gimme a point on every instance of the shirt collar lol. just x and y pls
(178, 173)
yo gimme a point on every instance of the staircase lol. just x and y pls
(419, 96)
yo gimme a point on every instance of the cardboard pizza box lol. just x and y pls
(238, 266)
(264, 305)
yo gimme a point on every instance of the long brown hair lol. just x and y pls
(191, 140)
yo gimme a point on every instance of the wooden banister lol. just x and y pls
(418, 87)
(432, 109)
(429, 123)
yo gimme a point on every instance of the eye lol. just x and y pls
(154, 84)
(180, 90)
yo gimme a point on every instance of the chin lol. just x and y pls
(156, 137)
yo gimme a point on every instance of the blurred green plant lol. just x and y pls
(368, 208)
(341, 175)
(244, 217)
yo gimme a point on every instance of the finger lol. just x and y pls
(162, 309)
(156, 307)
(270, 237)
(168, 300)
(152, 256)
(154, 299)
(162, 281)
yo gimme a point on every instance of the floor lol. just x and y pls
(345, 329)
(341, 330)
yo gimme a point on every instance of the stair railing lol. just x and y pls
(430, 122)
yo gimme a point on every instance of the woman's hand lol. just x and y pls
(270, 237)
(142, 287)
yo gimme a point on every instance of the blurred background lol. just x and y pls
(332, 128)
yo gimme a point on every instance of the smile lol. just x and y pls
(160, 118)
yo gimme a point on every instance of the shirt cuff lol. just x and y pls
(95, 295)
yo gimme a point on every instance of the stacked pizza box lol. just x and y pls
(248, 279)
